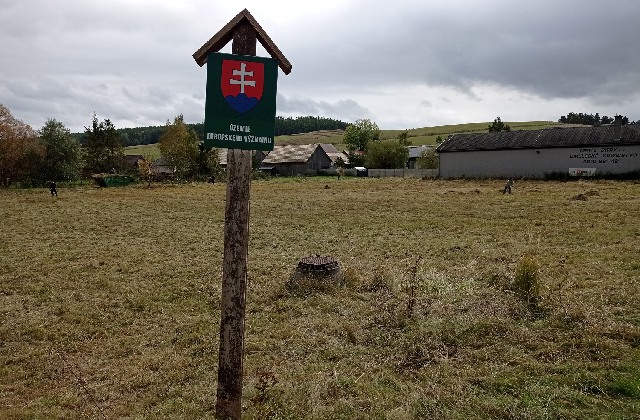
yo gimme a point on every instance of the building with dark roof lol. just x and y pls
(301, 159)
(161, 169)
(415, 153)
(133, 160)
(577, 151)
(334, 154)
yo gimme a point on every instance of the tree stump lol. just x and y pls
(316, 273)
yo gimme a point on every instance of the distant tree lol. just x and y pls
(20, 151)
(140, 135)
(606, 120)
(179, 146)
(428, 159)
(358, 135)
(102, 147)
(219, 172)
(388, 154)
(577, 118)
(208, 163)
(439, 140)
(403, 138)
(145, 170)
(63, 153)
(498, 126)
(588, 119)
(356, 159)
(307, 124)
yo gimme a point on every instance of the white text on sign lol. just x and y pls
(239, 138)
(242, 128)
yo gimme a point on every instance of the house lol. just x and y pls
(334, 154)
(576, 151)
(415, 153)
(132, 160)
(297, 160)
(161, 169)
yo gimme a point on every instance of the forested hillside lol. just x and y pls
(283, 126)
(289, 125)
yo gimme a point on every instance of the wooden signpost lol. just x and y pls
(237, 128)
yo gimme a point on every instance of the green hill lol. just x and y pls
(417, 136)
(428, 135)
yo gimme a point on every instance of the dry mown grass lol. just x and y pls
(109, 301)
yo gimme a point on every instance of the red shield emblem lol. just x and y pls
(242, 83)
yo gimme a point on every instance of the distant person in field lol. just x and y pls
(507, 186)
(53, 188)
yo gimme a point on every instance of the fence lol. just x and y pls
(403, 173)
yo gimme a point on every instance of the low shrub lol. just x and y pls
(527, 280)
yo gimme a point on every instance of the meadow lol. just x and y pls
(109, 301)
(417, 136)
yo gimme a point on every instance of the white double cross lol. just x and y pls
(242, 82)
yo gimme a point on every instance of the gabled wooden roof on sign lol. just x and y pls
(224, 35)
(539, 139)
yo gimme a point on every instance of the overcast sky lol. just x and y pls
(401, 63)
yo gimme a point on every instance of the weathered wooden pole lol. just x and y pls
(229, 124)
(234, 270)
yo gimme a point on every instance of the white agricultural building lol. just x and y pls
(579, 151)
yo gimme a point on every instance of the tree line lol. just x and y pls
(31, 157)
(298, 125)
(591, 119)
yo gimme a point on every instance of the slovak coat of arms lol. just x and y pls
(242, 83)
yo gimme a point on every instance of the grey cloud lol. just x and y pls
(427, 104)
(346, 110)
(131, 61)
(548, 48)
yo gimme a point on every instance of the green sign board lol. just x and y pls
(240, 109)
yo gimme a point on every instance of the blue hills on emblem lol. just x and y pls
(241, 103)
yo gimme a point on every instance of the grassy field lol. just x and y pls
(149, 151)
(109, 301)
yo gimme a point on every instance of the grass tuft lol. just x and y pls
(527, 280)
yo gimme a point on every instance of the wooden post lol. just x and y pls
(245, 31)
(234, 270)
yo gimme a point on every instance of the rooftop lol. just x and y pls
(538, 139)
(290, 154)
